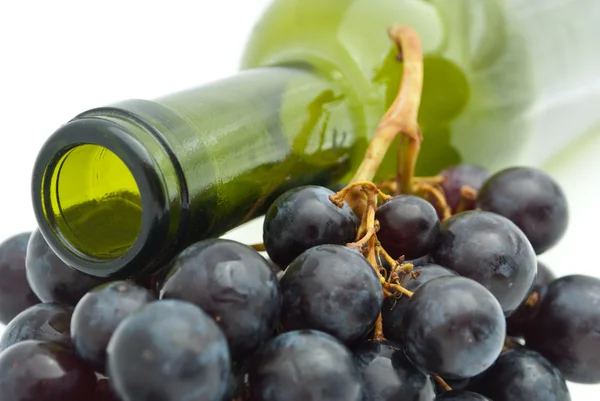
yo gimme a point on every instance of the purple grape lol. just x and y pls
(51, 279)
(333, 289)
(532, 200)
(408, 226)
(491, 250)
(44, 322)
(232, 283)
(517, 323)
(522, 375)
(97, 316)
(303, 365)
(169, 351)
(302, 218)
(388, 375)
(393, 309)
(566, 328)
(454, 328)
(460, 175)
(43, 371)
(15, 293)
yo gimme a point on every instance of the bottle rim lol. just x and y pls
(146, 173)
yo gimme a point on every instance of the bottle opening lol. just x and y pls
(95, 202)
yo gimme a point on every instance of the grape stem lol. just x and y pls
(378, 335)
(438, 195)
(365, 186)
(467, 195)
(366, 237)
(401, 117)
(391, 185)
(400, 289)
(362, 194)
(442, 383)
(533, 299)
(259, 247)
(508, 345)
(434, 180)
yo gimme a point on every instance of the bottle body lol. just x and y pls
(119, 190)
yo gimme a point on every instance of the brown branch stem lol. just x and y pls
(442, 383)
(259, 247)
(467, 196)
(400, 289)
(378, 335)
(439, 197)
(401, 117)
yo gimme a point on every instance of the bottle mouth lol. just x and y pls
(94, 202)
(100, 199)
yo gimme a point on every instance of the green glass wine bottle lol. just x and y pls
(120, 190)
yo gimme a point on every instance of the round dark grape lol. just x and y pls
(97, 316)
(453, 327)
(393, 310)
(522, 375)
(566, 328)
(15, 293)
(232, 283)
(409, 226)
(169, 351)
(516, 324)
(461, 395)
(388, 375)
(303, 218)
(331, 288)
(104, 392)
(303, 365)
(43, 322)
(44, 371)
(491, 250)
(458, 176)
(532, 200)
(51, 279)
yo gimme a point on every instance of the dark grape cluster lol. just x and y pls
(400, 303)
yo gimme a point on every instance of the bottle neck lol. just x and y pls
(121, 189)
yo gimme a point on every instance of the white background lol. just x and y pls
(59, 58)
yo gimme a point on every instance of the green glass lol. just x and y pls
(120, 190)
